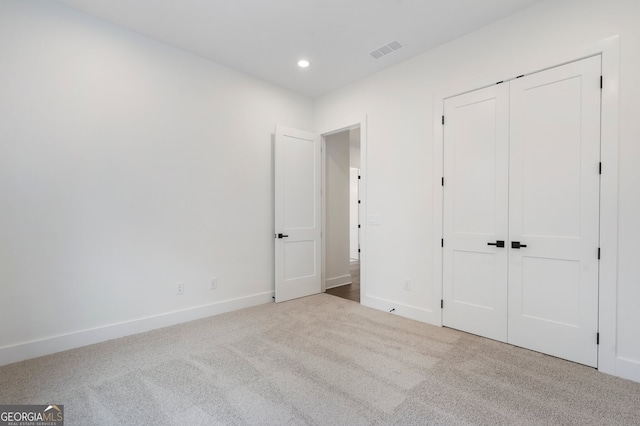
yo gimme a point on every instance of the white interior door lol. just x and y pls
(297, 214)
(476, 138)
(554, 211)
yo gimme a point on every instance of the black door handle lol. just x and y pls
(517, 245)
(282, 236)
(498, 243)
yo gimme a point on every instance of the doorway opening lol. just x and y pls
(342, 201)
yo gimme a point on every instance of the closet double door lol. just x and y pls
(521, 211)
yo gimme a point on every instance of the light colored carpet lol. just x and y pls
(319, 360)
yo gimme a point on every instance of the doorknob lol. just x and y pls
(517, 245)
(282, 236)
(498, 243)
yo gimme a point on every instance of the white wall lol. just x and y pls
(337, 210)
(126, 166)
(399, 104)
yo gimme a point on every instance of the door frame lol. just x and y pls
(609, 49)
(362, 124)
(358, 208)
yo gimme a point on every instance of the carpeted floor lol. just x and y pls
(319, 360)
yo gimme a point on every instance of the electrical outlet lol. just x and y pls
(213, 283)
(407, 284)
(180, 288)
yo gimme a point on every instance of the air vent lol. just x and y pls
(385, 50)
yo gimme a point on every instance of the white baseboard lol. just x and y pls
(407, 311)
(628, 369)
(50, 345)
(337, 281)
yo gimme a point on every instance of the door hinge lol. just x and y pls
(500, 82)
(442, 181)
(597, 338)
(601, 82)
(520, 76)
(441, 303)
(359, 226)
(600, 168)
(358, 250)
(598, 253)
(359, 201)
(359, 177)
(443, 120)
(441, 242)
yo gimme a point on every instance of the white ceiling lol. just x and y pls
(266, 38)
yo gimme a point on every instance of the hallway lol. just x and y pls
(349, 291)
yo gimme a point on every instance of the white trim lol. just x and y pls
(408, 311)
(50, 345)
(609, 48)
(364, 135)
(608, 302)
(340, 127)
(438, 205)
(337, 281)
(629, 369)
(323, 207)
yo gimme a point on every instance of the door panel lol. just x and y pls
(559, 277)
(299, 181)
(475, 211)
(548, 120)
(299, 259)
(474, 279)
(297, 214)
(554, 211)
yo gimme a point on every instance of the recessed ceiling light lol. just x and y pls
(303, 63)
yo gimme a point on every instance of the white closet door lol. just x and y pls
(554, 211)
(476, 212)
